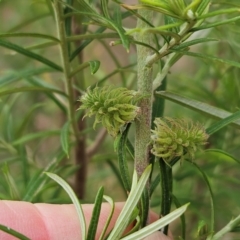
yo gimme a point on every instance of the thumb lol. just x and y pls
(157, 236)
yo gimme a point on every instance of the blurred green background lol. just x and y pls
(31, 121)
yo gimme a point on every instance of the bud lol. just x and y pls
(176, 137)
(113, 107)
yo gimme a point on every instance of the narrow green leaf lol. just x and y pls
(64, 138)
(153, 227)
(219, 12)
(85, 43)
(203, 6)
(74, 199)
(193, 42)
(221, 152)
(39, 180)
(29, 54)
(122, 158)
(222, 123)
(117, 174)
(18, 75)
(209, 57)
(197, 106)
(104, 6)
(228, 228)
(133, 198)
(95, 215)
(33, 35)
(212, 217)
(12, 186)
(41, 83)
(183, 220)
(110, 201)
(41, 45)
(28, 21)
(13, 232)
(154, 184)
(32, 136)
(26, 118)
(212, 25)
(30, 89)
(166, 186)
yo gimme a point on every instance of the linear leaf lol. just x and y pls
(193, 42)
(116, 173)
(30, 89)
(197, 106)
(74, 199)
(153, 227)
(209, 57)
(221, 152)
(39, 179)
(212, 25)
(34, 35)
(122, 158)
(110, 201)
(222, 123)
(29, 54)
(219, 12)
(64, 136)
(13, 232)
(28, 21)
(212, 218)
(95, 215)
(41, 83)
(228, 228)
(32, 136)
(132, 200)
(18, 75)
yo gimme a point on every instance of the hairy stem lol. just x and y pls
(143, 122)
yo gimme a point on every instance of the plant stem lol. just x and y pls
(61, 31)
(143, 123)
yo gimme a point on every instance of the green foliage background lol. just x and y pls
(32, 119)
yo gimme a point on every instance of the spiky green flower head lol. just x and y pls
(113, 107)
(176, 137)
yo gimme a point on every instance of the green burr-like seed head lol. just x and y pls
(113, 107)
(175, 137)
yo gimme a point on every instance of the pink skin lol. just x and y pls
(53, 222)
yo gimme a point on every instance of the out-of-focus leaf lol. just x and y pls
(32, 136)
(29, 54)
(212, 223)
(209, 57)
(18, 75)
(74, 199)
(222, 123)
(33, 35)
(64, 136)
(198, 106)
(30, 89)
(221, 152)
